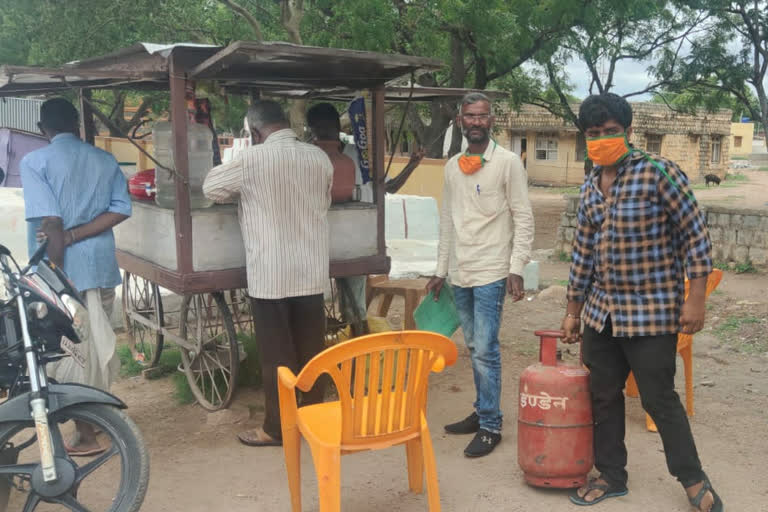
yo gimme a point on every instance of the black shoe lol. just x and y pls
(468, 425)
(483, 443)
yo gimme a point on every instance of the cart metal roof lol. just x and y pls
(393, 93)
(243, 65)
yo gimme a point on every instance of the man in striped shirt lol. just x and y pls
(640, 231)
(283, 190)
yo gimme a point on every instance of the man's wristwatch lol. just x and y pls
(575, 317)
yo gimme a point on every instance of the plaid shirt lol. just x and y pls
(629, 249)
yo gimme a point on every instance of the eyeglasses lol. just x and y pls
(476, 117)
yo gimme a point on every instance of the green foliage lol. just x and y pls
(129, 367)
(563, 256)
(727, 56)
(739, 268)
(737, 176)
(745, 332)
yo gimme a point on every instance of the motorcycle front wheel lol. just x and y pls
(113, 480)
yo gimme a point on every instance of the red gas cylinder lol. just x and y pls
(142, 185)
(554, 431)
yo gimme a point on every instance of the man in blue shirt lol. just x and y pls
(74, 195)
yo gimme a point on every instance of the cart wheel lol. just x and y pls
(211, 360)
(143, 297)
(334, 322)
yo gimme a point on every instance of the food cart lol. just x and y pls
(198, 254)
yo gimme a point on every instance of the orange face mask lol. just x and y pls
(470, 164)
(608, 150)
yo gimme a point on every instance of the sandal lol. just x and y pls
(717, 503)
(257, 437)
(609, 491)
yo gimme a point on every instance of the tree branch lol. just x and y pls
(250, 18)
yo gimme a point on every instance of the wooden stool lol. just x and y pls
(411, 289)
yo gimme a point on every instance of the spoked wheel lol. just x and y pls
(335, 324)
(114, 480)
(211, 357)
(142, 298)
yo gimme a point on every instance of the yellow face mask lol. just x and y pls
(608, 150)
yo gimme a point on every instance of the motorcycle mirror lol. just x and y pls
(2, 175)
(4, 251)
(38, 256)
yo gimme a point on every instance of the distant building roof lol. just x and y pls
(648, 117)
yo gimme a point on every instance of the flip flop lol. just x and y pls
(254, 438)
(717, 503)
(84, 453)
(608, 492)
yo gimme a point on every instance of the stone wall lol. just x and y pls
(738, 235)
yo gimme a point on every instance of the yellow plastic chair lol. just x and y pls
(685, 349)
(381, 380)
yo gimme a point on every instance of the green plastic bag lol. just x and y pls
(441, 316)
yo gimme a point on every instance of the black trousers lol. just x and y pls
(289, 332)
(652, 359)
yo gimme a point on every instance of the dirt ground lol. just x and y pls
(198, 465)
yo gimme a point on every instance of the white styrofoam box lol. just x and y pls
(531, 276)
(412, 258)
(411, 217)
(217, 242)
(13, 225)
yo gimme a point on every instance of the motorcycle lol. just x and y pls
(42, 320)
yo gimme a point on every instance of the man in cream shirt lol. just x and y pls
(486, 233)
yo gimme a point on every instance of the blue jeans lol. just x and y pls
(480, 310)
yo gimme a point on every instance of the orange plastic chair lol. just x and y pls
(685, 349)
(381, 380)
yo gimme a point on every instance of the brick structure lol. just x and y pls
(555, 150)
(737, 235)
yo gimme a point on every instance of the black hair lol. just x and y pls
(324, 113)
(599, 108)
(58, 115)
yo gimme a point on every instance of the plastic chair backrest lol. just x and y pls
(714, 278)
(381, 380)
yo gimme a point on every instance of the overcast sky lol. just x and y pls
(629, 77)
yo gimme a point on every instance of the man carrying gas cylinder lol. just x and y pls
(640, 232)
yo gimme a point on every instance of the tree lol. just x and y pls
(612, 32)
(62, 35)
(710, 99)
(731, 57)
(481, 41)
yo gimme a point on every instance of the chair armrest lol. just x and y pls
(439, 365)
(286, 390)
(285, 377)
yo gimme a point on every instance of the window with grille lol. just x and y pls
(717, 146)
(546, 148)
(653, 143)
(737, 142)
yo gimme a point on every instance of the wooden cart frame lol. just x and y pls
(213, 303)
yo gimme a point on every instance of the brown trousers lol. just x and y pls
(289, 332)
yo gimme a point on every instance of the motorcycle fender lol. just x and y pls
(59, 397)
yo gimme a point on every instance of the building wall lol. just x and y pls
(566, 169)
(686, 139)
(746, 132)
(427, 180)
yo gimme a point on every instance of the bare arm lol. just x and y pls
(396, 183)
(52, 227)
(103, 222)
